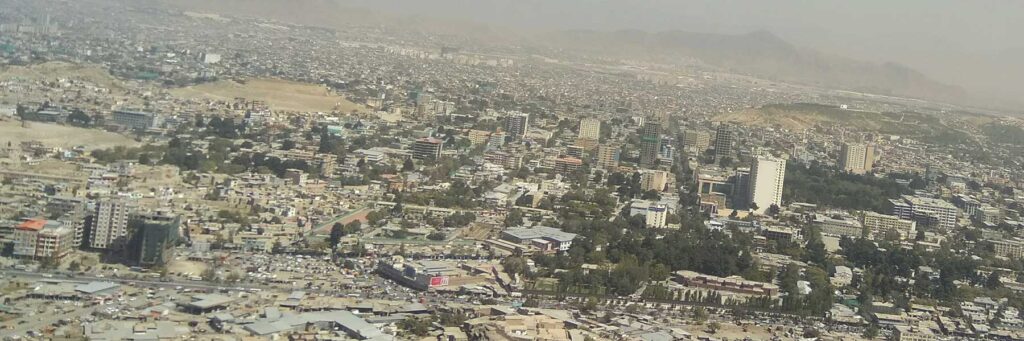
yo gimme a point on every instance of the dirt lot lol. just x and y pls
(62, 70)
(184, 266)
(279, 94)
(55, 135)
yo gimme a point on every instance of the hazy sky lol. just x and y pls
(977, 44)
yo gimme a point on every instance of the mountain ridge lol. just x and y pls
(758, 53)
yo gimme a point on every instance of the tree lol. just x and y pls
(337, 232)
(408, 166)
(700, 315)
(437, 236)
(713, 327)
(353, 227)
(871, 331)
(993, 281)
(415, 326)
(816, 253)
(514, 218)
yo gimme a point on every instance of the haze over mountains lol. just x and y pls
(969, 74)
(762, 54)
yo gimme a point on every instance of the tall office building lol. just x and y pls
(516, 125)
(696, 141)
(152, 238)
(650, 144)
(857, 158)
(109, 224)
(427, 148)
(767, 175)
(723, 141)
(590, 129)
(653, 180)
(741, 189)
(607, 156)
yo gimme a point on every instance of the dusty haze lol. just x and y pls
(972, 45)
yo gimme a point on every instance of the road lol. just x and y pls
(137, 282)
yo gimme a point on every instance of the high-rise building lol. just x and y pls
(153, 237)
(723, 141)
(574, 151)
(517, 124)
(741, 189)
(696, 141)
(427, 148)
(650, 144)
(653, 180)
(857, 158)
(607, 156)
(767, 175)
(590, 129)
(109, 224)
(497, 140)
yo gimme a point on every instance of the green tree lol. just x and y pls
(816, 253)
(337, 232)
(514, 218)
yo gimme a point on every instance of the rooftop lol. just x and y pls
(540, 232)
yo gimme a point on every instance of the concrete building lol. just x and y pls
(136, 119)
(766, 178)
(656, 216)
(913, 333)
(109, 228)
(654, 180)
(734, 284)
(607, 156)
(153, 237)
(427, 148)
(723, 141)
(574, 151)
(568, 165)
(516, 125)
(559, 240)
(296, 176)
(925, 211)
(43, 239)
(840, 227)
(967, 204)
(590, 129)
(879, 225)
(73, 212)
(696, 141)
(1009, 248)
(650, 144)
(857, 158)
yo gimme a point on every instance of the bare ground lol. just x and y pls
(279, 94)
